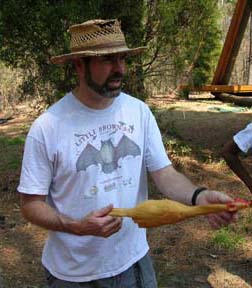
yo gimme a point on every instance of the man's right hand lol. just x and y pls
(98, 223)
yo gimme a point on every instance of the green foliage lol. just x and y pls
(33, 31)
(187, 37)
(226, 239)
(4, 141)
(182, 38)
(199, 41)
(11, 153)
(176, 148)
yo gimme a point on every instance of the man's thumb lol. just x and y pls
(104, 211)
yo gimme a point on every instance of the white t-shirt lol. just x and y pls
(85, 159)
(243, 138)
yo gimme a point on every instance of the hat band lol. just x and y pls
(117, 44)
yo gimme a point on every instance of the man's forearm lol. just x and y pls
(174, 185)
(43, 215)
(96, 223)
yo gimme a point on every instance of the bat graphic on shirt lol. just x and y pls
(108, 155)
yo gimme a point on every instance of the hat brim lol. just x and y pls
(62, 59)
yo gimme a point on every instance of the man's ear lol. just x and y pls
(79, 66)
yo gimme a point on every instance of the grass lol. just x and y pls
(6, 141)
(227, 239)
(11, 153)
(176, 147)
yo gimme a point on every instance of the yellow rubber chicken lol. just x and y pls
(153, 213)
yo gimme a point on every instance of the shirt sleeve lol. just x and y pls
(37, 170)
(155, 155)
(243, 139)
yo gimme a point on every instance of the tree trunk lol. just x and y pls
(237, 100)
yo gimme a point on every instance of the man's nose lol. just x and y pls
(119, 65)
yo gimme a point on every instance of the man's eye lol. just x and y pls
(124, 56)
(107, 59)
(112, 59)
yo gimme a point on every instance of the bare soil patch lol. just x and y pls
(184, 254)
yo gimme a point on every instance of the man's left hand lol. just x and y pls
(218, 220)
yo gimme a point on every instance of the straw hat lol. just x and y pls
(96, 38)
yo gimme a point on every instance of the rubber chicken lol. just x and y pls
(153, 213)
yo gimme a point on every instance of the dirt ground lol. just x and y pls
(184, 255)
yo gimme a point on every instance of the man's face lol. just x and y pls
(104, 74)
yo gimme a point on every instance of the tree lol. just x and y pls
(182, 38)
(33, 31)
(184, 41)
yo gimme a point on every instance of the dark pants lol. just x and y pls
(140, 275)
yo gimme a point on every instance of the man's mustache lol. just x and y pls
(115, 77)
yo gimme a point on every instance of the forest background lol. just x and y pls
(183, 40)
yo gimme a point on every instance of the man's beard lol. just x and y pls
(104, 90)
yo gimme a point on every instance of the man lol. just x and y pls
(241, 142)
(90, 152)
